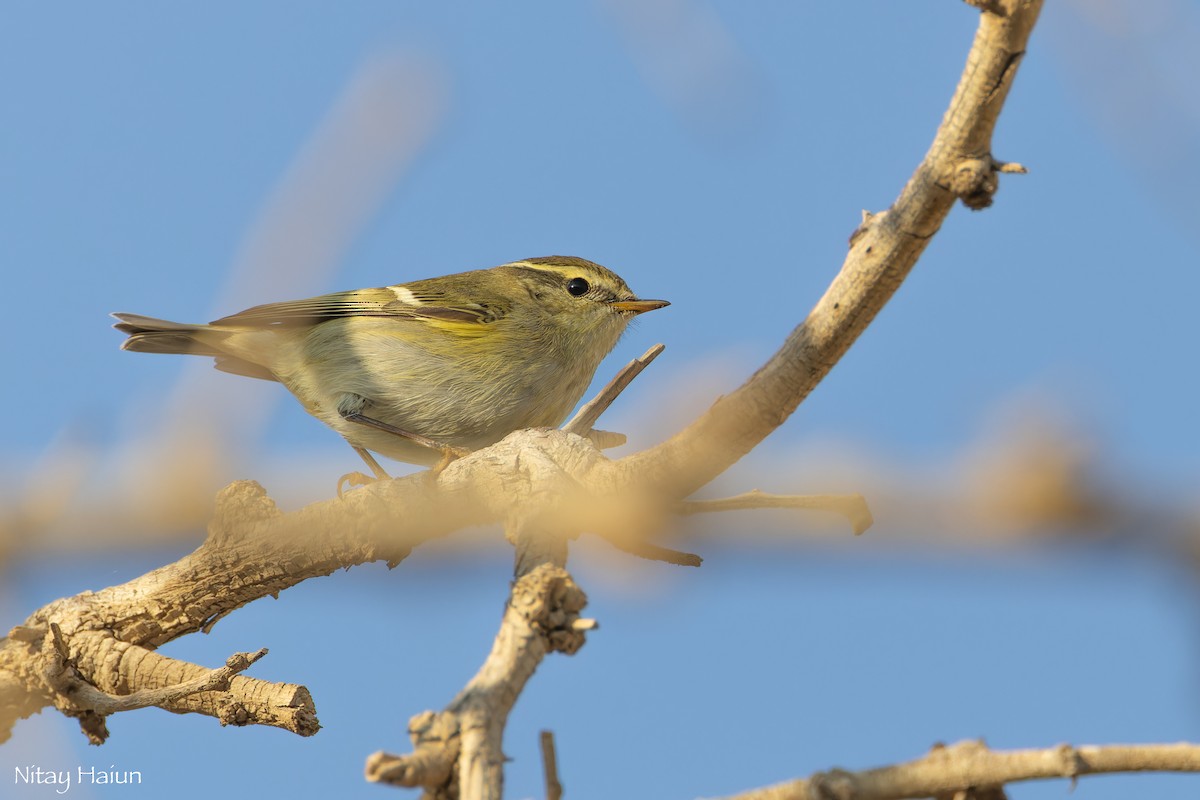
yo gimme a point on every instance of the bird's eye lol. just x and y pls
(577, 287)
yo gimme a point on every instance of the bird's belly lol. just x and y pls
(467, 402)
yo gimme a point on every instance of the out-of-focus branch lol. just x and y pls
(970, 766)
(375, 129)
(883, 250)
(1031, 473)
(851, 506)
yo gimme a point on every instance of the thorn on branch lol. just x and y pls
(868, 219)
(975, 180)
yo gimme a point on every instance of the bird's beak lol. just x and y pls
(639, 306)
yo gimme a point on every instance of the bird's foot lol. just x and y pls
(353, 480)
(450, 454)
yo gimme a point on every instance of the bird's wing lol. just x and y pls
(415, 301)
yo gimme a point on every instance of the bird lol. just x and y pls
(425, 371)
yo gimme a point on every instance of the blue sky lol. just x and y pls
(719, 159)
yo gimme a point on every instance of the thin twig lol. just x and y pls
(554, 789)
(960, 767)
(586, 417)
(852, 506)
(654, 552)
(958, 165)
(66, 679)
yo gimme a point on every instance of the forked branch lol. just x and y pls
(459, 750)
(547, 486)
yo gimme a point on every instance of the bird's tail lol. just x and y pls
(150, 335)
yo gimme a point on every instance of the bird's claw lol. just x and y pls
(354, 479)
(450, 454)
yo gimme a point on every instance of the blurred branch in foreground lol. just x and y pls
(160, 485)
(1029, 474)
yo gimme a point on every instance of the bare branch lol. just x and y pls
(882, 252)
(62, 675)
(252, 551)
(76, 697)
(970, 765)
(462, 746)
(554, 789)
(96, 675)
(590, 412)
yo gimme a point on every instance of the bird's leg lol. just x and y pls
(449, 452)
(379, 425)
(380, 472)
